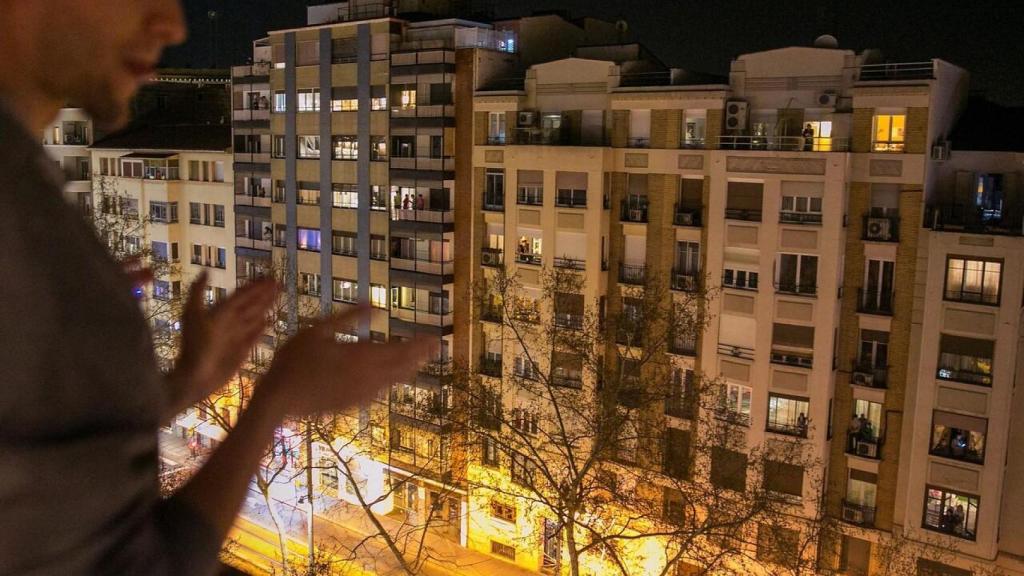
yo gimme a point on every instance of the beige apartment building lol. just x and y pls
(170, 184)
(795, 191)
(66, 141)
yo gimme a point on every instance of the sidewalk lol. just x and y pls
(347, 527)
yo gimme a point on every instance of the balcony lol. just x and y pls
(435, 267)
(796, 289)
(736, 351)
(744, 214)
(253, 241)
(428, 317)
(491, 366)
(249, 114)
(251, 72)
(681, 406)
(570, 263)
(864, 374)
(864, 446)
(567, 379)
(685, 281)
(858, 514)
(877, 302)
(533, 258)
(686, 216)
(494, 201)
(971, 219)
(955, 374)
(426, 410)
(442, 367)
(633, 210)
(682, 346)
(496, 140)
(555, 137)
(787, 429)
(493, 257)
(881, 228)
(784, 143)
(248, 157)
(813, 218)
(788, 357)
(635, 274)
(491, 313)
(426, 215)
(569, 320)
(638, 142)
(571, 198)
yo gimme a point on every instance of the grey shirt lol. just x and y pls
(80, 395)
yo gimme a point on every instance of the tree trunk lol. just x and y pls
(282, 536)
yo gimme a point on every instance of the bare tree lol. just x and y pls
(576, 435)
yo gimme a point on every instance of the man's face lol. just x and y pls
(96, 53)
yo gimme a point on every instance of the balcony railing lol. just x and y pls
(864, 446)
(800, 217)
(569, 320)
(529, 258)
(686, 216)
(428, 317)
(494, 257)
(685, 281)
(682, 346)
(437, 268)
(681, 406)
(972, 219)
(863, 374)
(635, 274)
(494, 201)
(527, 197)
(498, 140)
(490, 366)
(955, 374)
(878, 302)
(803, 359)
(736, 351)
(571, 198)
(426, 215)
(555, 137)
(784, 143)
(787, 428)
(732, 416)
(491, 313)
(896, 71)
(570, 263)
(633, 211)
(743, 214)
(639, 142)
(881, 228)
(795, 288)
(859, 514)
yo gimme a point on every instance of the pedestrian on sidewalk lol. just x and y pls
(78, 378)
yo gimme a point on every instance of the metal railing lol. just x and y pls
(494, 257)
(792, 358)
(800, 217)
(426, 215)
(529, 258)
(685, 281)
(569, 320)
(570, 263)
(874, 302)
(686, 215)
(681, 406)
(783, 143)
(864, 374)
(490, 366)
(951, 372)
(972, 219)
(889, 71)
(494, 201)
(796, 288)
(749, 215)
(635, 274)
(858, 514)
(735, 351)
(789, 429)
(496, 140)
(571, 198)
(633, 210)
(682, 346)
(490, 313)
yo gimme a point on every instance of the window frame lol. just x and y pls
(959, 297)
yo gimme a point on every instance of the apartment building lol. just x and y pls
(66, 141)
(361, 134)
(795, 190)
(168, 179)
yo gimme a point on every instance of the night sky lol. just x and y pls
(984, 37)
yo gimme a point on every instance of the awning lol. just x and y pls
(150, 155)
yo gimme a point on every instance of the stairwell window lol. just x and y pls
(889, 132)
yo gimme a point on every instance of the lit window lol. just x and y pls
(737, 401)
(346, 291)
(345, 195)
(379, 103)
(309, 284)
(378, 296)
(345, 105)
(950, 512)
(496, 128)
(280, 101)
(345, 147)
(309, 100)
(309, 146)
(973, 280)
(889, 132)
(308, 239)
(503, 510)
(407, 99)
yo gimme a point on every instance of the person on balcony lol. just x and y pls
(82, 398)
(808, 135)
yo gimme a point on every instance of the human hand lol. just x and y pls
(313, 372)
(215, 341)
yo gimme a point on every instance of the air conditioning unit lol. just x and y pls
(867, 449)
(735, 115)
(879, 229)
(526, 118)
(864, 379)
(491, 258)
(940, 152)
(827, 99)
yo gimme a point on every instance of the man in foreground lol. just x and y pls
(81, 399)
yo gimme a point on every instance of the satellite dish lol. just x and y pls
(826, 41)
